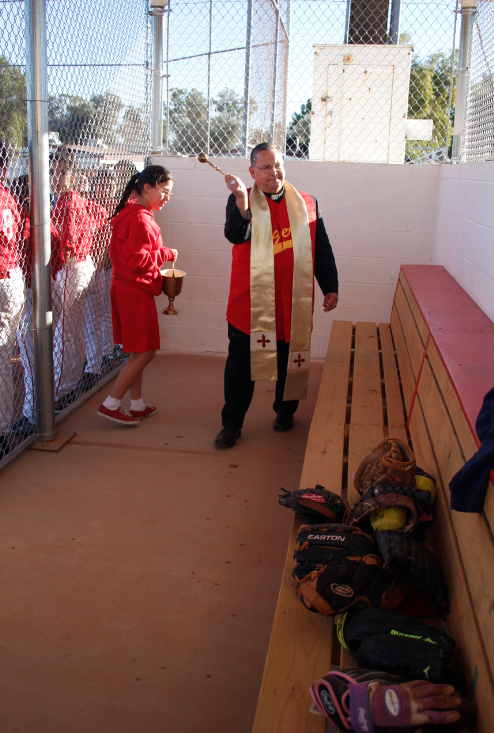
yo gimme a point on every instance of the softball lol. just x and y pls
(424, 483)
(392, 518)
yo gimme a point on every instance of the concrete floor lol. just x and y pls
(140, 566)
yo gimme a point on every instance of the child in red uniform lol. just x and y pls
(72, 220)
(137, 253)
(20, 187)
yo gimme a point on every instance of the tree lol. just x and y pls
(430, 81)
(298, 131)
(13, 111)
(226, 125)
(78, 120)
(188, 115)
(188, 121)
(107, 109)
(134, 129)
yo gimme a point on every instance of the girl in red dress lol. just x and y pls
(137, 253)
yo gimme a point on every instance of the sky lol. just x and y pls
(94, 45)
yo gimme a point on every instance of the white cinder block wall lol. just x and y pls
(377, 217)
(464, 236)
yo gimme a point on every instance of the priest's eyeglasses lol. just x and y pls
(266, 168)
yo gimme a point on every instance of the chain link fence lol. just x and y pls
(99, 87)
(348, 80)
(479, 125)
(227, 91)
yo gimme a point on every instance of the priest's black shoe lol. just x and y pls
(228, 437)
(283, 422)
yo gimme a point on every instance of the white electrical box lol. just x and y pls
(360, 103)
(420, 129)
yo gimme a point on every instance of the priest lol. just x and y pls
(279, 245)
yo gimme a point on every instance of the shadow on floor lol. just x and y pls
(140, 566)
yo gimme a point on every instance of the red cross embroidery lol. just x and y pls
(263, 341)
(298, 361)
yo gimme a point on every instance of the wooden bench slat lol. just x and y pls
(300, 646)
(394, 403)
(463, 622)
(299, 653)
(366, 418)
(331, 402)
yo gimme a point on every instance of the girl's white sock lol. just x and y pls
(111, 403)
(137, 405)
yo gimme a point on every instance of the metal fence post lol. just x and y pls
(208, 123)
(248, 48)
(157, 11)
(37, 133)
(167, 123)
(275, 73)
(468, 8)
(347, 20)
(394, 23)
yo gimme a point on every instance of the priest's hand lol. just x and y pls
(330, 302)
(237, 187)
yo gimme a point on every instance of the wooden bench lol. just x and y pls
(367, 389)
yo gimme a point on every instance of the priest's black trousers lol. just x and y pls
(239, 388)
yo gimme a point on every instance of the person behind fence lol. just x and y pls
(123, 171)
(12, 296)
(20, 188)
(98, 332)
(137, 253)
(279, 244)
(72, 220)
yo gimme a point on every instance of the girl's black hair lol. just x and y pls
(152, 175)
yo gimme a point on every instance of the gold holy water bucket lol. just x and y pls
(172, 286)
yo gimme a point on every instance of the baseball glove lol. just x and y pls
(390, 462)
(415, 564)
(398, 644)
(379, 704)
(351, 582)
(318, 544)
(418, 496)
(360, 513)
(314, 505)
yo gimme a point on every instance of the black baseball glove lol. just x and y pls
(314, 505)
(415, 564)
(398, 644)
(351, 582)
(318, 544)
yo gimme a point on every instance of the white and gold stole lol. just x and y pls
(262, 296)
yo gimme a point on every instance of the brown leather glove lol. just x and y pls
(351, 582)
(360, 513)
(390, 462)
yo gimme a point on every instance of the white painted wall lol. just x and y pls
(377, 217)
(464, 236)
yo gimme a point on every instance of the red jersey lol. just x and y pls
(10, 229)
(238, 310)
(101, 232)
(72, 220)
(25, 249)
(136, 249)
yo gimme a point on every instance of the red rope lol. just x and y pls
(417, 382)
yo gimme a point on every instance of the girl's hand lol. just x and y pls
(175, 255)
